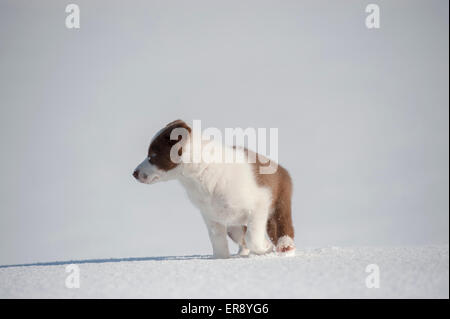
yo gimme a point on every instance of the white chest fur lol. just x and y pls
(226, 193)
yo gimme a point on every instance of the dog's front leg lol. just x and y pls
(255, 237)
(218, 236)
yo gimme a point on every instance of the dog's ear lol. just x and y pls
(179, 123)
(178, 137)
(178, 126)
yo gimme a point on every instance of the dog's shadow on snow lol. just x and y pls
(109, 260)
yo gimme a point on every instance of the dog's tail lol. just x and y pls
(279, 224)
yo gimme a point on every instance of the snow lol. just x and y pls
(405, 272)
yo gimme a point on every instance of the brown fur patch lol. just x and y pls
(279, 223)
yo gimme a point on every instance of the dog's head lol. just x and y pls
(164, 154)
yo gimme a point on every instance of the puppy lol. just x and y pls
(233, 198)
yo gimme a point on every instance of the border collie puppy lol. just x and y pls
(235, 199)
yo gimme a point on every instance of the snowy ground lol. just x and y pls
(410, 272)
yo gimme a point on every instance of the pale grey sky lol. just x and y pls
(362, 117)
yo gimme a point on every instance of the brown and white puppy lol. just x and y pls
(234, 198)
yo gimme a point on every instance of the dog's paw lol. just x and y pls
(221, 255)
(285, 246)
(243, 251)
(261, 249)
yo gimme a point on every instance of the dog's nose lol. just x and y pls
(136, 174)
